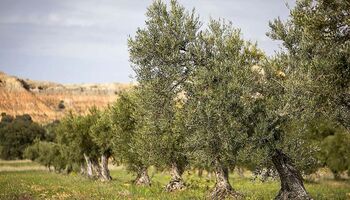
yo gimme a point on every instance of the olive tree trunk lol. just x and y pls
(200, 172)
(104, 168)
(142, 177)
(82, 169)
(240, 172)
(223, 188)
(176, 181)
(292, 186)
(68, 169)
(88, 166)
(96, 168)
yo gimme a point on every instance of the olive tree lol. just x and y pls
(312, 72)
(127, 142)
(278, 125)
(217, 95)
(48, 154)
(335, 153)
(74, 133)
(316, 40)
(102, 134)
(161, 57)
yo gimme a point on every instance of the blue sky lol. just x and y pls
(84, 41)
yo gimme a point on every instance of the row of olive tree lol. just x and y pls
(232, 97)
(205, 97)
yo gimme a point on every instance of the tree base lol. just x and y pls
(142, 182)
(106, 178)
(225, 193)
(286, 195)
(105, 175)
(292, 186)
(175, 185)
(142, 178)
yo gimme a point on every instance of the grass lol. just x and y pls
(19, 165)
(41, 184)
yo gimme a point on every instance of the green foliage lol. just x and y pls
(50, 133)
(333, 141)
(207, 96)
(335, 152)
(303, 82)
(74, 135)
(317, 45)
(16, 134)
(161, 54)
(46, 153)
(218, 93)
(6, 118)
(122, 116)
(102, 133)
(69, 140)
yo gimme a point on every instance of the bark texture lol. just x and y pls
(96, 168)
(104, 169)
(82, 170)
(142, 177)
(68, 169)
(176, 182)
(88, 166)
(240, 172)
(223, 188)
(292, 186)
(200, 172)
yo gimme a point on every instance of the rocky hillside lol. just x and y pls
(47, 101)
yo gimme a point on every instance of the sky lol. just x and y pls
(85, 41)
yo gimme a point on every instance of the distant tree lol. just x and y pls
(61, 105)
(67, 139)
(335, 151)
(6, 118)
(16, 134)
(102, 134)
(334, 143)
(74, 134)
(161, 57)
(48, 154)
(50, 131)
(85, 143)
(126, 140)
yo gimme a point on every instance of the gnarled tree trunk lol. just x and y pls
(240, 172)
(200, 172)
(142, 177)
(96, 168)
(88, 166)
(82, 169)
(292, 186)
(104, 168)
(223, 188)
(209, 175)
(176, 182)
(68, 169)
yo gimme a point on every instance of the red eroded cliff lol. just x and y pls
(47, 101)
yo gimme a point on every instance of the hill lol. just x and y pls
(48, 101)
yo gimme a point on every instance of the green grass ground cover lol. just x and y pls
(17, 163)
(41, 184)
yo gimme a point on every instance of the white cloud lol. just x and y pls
(96, 31)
